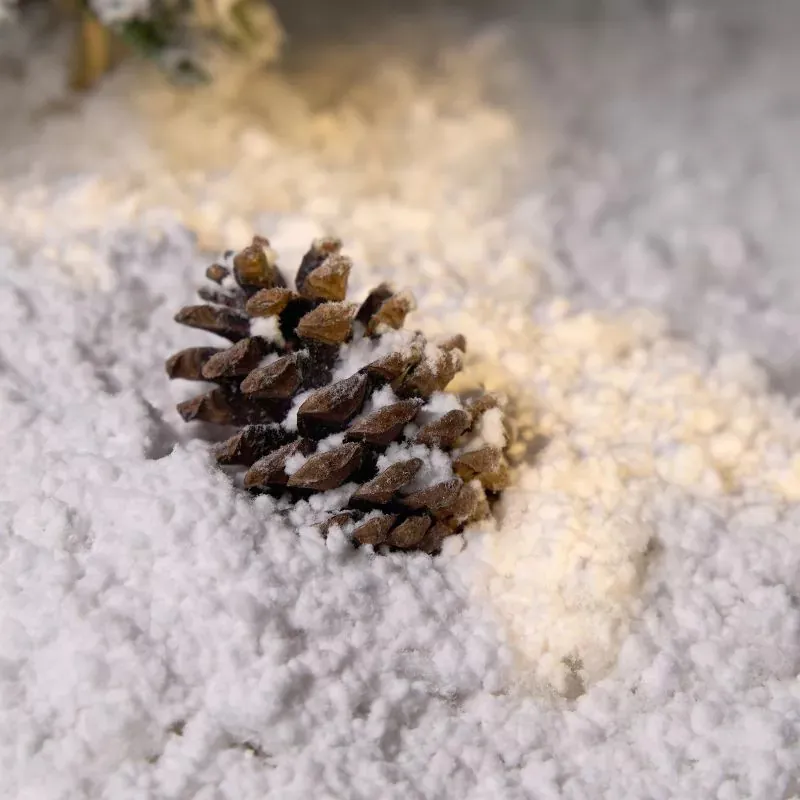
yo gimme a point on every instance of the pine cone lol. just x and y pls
(329, 395)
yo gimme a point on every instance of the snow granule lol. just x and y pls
(379, 399)
(290, 421)
(490, 430)
(294, 462)
(267, 328)
(437, 406)
(330, 443)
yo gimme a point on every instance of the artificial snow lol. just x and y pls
(437, 406)
(489, 431)
(628, 624)
(267, 328)
(380, 398)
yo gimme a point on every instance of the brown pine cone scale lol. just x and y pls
(336, 399)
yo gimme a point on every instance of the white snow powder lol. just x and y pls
(290, 421)
(267, 328)
(294, 462)
(437, 406)
(380, 399)
(490, 430)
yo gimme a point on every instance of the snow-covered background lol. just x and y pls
(629, 627)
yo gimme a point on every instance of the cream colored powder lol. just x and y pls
(623, 413)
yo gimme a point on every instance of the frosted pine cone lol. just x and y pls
(330, 395)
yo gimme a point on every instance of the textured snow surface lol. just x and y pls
(629, 626)
(162, 635)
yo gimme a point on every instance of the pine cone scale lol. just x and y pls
(270, 470)
(384, 486)
(374, 531)
(409, 532)
(446, 430)
(236, 361)
(435, 498)
(276, 381)
(223, 321)
(383, 426)
(250, 444)
(270, 302)
(375, 299)
(188, 364)
(330, 409)
(328, 470)
(320, 250)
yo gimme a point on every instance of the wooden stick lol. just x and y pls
(92, 55)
